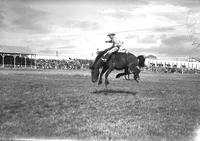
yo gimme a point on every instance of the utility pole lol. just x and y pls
(56, 53)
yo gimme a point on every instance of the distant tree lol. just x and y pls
(151, 57)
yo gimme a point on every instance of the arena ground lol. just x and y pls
(51, 104)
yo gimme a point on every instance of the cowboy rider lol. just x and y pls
(116, 44)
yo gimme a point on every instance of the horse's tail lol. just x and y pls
(141, 59)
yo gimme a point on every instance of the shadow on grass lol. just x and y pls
(111, 91)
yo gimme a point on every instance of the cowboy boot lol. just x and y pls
(105, 57)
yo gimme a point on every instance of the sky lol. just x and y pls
(77, 28)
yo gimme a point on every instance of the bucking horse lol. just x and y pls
(118, 61)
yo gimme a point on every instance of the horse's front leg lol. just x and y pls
(101, 74)
(106, 76)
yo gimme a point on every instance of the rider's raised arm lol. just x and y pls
(110, 41)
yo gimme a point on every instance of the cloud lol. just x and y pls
(131, 37)
(150, 39)
(186, 3)
(70, 49)
(51, 42)
(29, 18)
(18, 16)
(102, 1)
(174, 15)
(164, 12)
(47, 51)
(165, 29)
(117, 13)
(176, 41)
(176, 46)
(67, 47)
(84, 25)
(61, 50)
(2, 24)
(49, 45)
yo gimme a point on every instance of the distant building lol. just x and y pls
(194, 59)
(16, 56)
(170, 62)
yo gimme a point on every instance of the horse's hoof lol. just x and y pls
(106, 83)
(100, 82)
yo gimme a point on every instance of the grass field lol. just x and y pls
(66, 105)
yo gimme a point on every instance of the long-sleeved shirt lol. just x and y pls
(116, 42)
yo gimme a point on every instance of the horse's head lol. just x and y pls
(94, 73)
(141, 59)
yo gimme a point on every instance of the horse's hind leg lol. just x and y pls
(127, 72)
(120, 74)
(136, 71)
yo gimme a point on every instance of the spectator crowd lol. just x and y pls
(74, 64)
(63, 64)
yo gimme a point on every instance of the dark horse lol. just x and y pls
(118, 61)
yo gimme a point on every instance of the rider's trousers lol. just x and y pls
(115, 49)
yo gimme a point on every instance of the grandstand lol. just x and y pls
(17, 57)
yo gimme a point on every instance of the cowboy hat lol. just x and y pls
(111, 34)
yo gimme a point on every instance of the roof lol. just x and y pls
(15, 49)
(195, 58)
